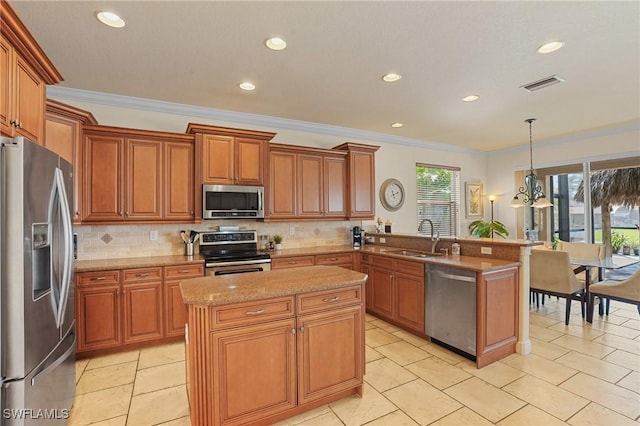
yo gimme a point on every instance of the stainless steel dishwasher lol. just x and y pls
(450, 314)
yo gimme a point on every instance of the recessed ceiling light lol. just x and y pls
(471, 98)
(110, 19)
(247, 85)
(551, 46)
(391, 77)
(396, 124)
(276, 43)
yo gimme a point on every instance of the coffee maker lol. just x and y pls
(357, 237)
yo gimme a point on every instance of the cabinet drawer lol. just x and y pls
(334, 259)
(292, 262)
(382, 262)
(410, 268)
(330, 299)
(142, 275)
(183, 271)
(254, 312)
(98, 277)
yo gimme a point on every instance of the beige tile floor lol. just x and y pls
(579, 374)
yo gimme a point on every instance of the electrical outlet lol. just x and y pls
(347, 230)
(153, 235)
(292, 231)
(383, 240)
(485, 250)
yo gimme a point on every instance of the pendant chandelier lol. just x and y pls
(531, 192)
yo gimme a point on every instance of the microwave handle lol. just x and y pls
(261, 201)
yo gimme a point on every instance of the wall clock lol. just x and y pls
(392, 194)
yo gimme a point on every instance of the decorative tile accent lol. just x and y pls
(106, 238)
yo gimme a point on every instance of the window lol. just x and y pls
(438, 199)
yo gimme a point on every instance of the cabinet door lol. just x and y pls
(6, 86)
(103, 184)
(175, 311)
(253, 387)
(218, 159)
(329, 353)
(30, 95)
(249, 161)
(63, 136)
(310, 186)
(410, 301)
(179, 181)
(383, 292)
(335, 184)
(144, 180)
(362, 180)
(282, 194)
(142, 311)
(98, 317)
(497, 310)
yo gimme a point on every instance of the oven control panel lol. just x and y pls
(228, 237)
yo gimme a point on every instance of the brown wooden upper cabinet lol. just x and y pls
(63, 135)
(137, 175)
(306, 183)
(228, 156)
(315, 183)
(25, 71)
(361, 173)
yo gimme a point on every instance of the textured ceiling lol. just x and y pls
(196, 53)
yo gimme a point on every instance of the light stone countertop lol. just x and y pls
(236, 288)
(135, 262)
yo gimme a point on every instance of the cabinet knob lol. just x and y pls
(18, 123)
(302, 329)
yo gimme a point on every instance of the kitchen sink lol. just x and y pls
(413, 253)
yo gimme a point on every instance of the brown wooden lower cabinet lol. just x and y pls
(122, 308)
(175, 311)
(395, 290)
(262, 361)
(344, 260)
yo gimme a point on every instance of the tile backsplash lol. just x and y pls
(116, 241)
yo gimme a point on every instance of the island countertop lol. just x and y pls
(235, 288)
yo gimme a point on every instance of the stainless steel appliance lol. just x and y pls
(450, 309)
(232, 202)
(232, 252)
(37, 318)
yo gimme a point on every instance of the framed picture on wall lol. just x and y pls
(474, 201)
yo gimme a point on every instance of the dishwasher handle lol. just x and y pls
(454, 276)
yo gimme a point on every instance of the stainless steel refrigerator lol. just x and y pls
(37, 318)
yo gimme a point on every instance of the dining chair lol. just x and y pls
(584, 251)
(627, 291)
(551, 273)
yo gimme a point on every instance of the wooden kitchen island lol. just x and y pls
(262, 347)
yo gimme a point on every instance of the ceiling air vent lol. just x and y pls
(547, 81)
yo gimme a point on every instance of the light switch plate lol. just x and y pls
(485, 250)
(383, 240)
(153, 235)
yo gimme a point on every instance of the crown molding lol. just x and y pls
(242, 118)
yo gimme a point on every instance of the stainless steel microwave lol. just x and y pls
(232, 202)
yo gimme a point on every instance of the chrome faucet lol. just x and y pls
(422, 223)
(435, 238)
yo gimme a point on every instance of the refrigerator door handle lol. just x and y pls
(56, 363)
(60, 192)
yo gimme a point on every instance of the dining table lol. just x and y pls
(585, 265)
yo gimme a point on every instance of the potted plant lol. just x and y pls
(636, 247)
(617, 241)
(277, 239)
(482, 229)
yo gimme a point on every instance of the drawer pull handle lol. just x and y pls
(258, 312)
(333, 259)
(142, 275)
(333, 299)
(98, 278)
(292, 262)
(183, 271)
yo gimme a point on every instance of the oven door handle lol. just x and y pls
(238, 263)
